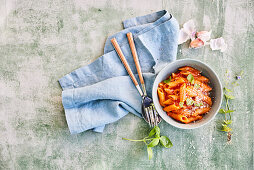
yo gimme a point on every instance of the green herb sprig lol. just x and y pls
(168, 80)
(227, 111)
(155, 138)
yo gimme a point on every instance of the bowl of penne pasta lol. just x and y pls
(187, 93)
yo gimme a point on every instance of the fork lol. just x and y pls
(148, 111)
(155, 119)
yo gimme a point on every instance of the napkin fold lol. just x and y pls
(102, 92)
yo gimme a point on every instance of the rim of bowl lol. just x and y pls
(154, 93)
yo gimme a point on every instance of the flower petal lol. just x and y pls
(218, 44)
(183, 36)
(204, 35)
(197, 43)
(189, 27)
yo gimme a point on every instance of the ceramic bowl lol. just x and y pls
(216, 94)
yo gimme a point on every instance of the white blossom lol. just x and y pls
(218, 44)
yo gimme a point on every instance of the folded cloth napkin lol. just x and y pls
(102, 92)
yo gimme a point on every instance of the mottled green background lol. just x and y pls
(42, 40)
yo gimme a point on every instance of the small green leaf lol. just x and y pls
(235, 83)
(154, 142)
(229, 96)
(227, 122)
(189, 101)
(152, 132)
(181, 104)
(190, 78)
(222, 111)
(225, 128)
(196, 86)
(229, 111)
(228, 90)
(198, 104)
(150, 153)
(156, 130)
(165, 141)
(168, 80)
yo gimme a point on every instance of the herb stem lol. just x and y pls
(138, 140)
(227, 107)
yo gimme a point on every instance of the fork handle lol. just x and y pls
(135, 56)
(125, 63)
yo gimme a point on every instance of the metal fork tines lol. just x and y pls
(149, 112)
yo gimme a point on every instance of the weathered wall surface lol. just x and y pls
(40, 41)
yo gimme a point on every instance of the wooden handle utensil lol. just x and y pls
(125, 63)
(135, 56)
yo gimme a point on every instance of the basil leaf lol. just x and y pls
(225, 128)
(150, 153)
(189, 102)
(168, 80)
(156, 130)
(229, 96)
(229, 111)
(181, 104)
(228, 90)
(222, 111)
(190, 78)
(164, 140)
(196, 86)
(152, 132)
(153, 143)
(198, 104)
(227, 122)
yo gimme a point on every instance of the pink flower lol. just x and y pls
(187, 32)
(204, 35)
(201, 38)
(197, 43)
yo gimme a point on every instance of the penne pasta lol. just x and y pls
(185, 97)
(207, 99)
(173, 97)
(169, 91)
(178, 117)
(202, 79)
(205, 87)
(191, 91)
(168, 102)
(171, 107)
(183, 111)
(201, 111)
(190, 69)
(161, 96)
(174, 75)
(161, 85)
(176, 91)
(175, 83)
(192, 118)
(183, 92)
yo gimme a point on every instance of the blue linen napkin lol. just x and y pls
(102, 92)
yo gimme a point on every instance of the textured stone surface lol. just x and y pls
(40, 41)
